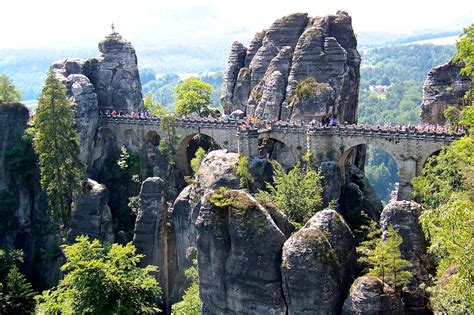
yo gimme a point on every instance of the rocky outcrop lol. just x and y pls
(323, 48)
(444, 87)
(239, 253)
(217, 170)
(90, 214)
(331, 181)
(151, 232)
(403, 216)
(369, 295)
(115, 75)
(317, 265)
(357, 195)
(15, 214)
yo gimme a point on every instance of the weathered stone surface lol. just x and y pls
(331, 181)
(358, 195)
(323, 48)
(269, 94)
(239, 253)
(403, 216)
(15, 209)
(339, 236)
(151, 232)
(444, 87)
(312, 279)
(235, 63)
(115, 75)
(90, 213)
(217, 170)
(368, 296)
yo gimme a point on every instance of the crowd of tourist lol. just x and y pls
(253, 123)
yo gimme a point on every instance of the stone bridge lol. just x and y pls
(287, 142)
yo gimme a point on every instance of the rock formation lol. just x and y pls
(317, 265)
(239, 253)
(90, 214)
(369, 295)
(264, 77)
(444, 87)
(108, 82)
(403, 216)
(151, 232)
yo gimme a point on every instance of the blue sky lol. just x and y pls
(59, 23)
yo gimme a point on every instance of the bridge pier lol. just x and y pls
(407, 171)
(248, 143)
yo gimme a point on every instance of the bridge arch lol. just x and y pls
(381, 168)
(188, 146)
(275, 148)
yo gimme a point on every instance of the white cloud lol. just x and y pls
(36, 24)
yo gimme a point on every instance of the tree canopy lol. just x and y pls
(102, 279)
(297, 193)
(57, 146)
(193, 96)
(8, 92)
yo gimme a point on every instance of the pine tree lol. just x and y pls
(57, 147)
(19, 294)
(384, 257)
(8, 92)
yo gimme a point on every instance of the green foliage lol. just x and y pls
(169, 142)
(57, 146)
(452, 115)
(465, 50)
(134, 204)
(21, 157)
(221, 198)
(446, 189)
(102, 279)
(382, 172)
(297, 194)
(19, 295)
(8, 92)
(151, 107)
(307, 88)
(196, 161)
(16, 293)
(242, 170)
(193, 96)
(384, 257)
(191, 303)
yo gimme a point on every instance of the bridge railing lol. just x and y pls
(341, 130)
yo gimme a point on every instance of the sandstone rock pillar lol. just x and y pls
(248, 142)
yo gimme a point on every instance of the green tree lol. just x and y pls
(446, 190)
(169, 142)
(57, 147)
(102, 279)
(196, 161)
(242, 170)
(193, 96)
(465, 50)
(191, 303)
(19, 294)
(8, 92)
(151, 107)
(385, 258)
(296, 193)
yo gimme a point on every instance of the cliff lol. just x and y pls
(300, 68)
(444, 87)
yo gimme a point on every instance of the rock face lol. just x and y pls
(108, 82)
(331, 181)
(317, 265)
(264, 77)
(239, 254)
(217, 170)
(444, 87)
(151, 231)
(368, 296)
(90, 213)
(15, 215)
(403, 216)
(115, 75)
